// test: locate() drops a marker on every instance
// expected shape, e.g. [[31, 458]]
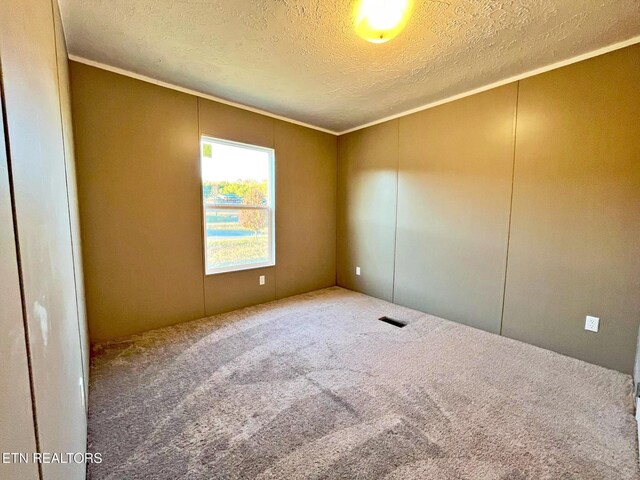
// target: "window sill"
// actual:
[[240, 268]]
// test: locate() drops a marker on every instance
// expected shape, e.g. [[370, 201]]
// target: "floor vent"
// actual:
[[393, 321]]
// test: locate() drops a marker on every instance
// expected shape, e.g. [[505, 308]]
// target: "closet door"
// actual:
[[16, 417], [39, 179]]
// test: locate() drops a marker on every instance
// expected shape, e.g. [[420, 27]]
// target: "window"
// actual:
[[238, 205]]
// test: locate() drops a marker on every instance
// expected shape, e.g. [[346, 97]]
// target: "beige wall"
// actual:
[[138, 153], [138, 187], [575, 232], [306, 216], [43, 212], [454, 193], [367, 181], [573, 246]]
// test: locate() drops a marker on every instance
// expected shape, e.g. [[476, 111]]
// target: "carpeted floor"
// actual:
[[315, 386]]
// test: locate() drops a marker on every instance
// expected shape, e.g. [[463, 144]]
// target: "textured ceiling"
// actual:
[[302, 59]]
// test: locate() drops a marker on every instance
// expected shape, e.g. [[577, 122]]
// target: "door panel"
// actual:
[[38, 170], [16, 417]]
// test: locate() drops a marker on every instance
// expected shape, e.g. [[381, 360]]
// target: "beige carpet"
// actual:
[[316, 387]]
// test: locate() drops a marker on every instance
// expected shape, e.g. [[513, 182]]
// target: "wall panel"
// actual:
[[367, 180], [575, 248], [454, 193], [305, 209], [139, 188], [231, 123], [232, 290]]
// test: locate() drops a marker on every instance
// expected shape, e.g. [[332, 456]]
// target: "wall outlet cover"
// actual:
[[357, 270], [592, 324], [262, 280]]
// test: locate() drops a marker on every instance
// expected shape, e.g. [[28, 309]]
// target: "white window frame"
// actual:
[[270, 208]]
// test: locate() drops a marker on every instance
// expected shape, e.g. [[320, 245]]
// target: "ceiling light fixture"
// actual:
[[379, 21]]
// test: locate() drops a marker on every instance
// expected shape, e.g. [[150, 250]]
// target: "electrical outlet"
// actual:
[[357, 270], [592, 323], [262, 280]]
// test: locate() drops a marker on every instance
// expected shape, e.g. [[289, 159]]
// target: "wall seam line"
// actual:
[[513, 174], [395, 232], [337, 191], [25, 323], [203, 220], [275, 211]]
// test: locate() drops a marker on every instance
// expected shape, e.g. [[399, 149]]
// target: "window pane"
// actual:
[[235, 175], [236, 237], [238, 193]]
